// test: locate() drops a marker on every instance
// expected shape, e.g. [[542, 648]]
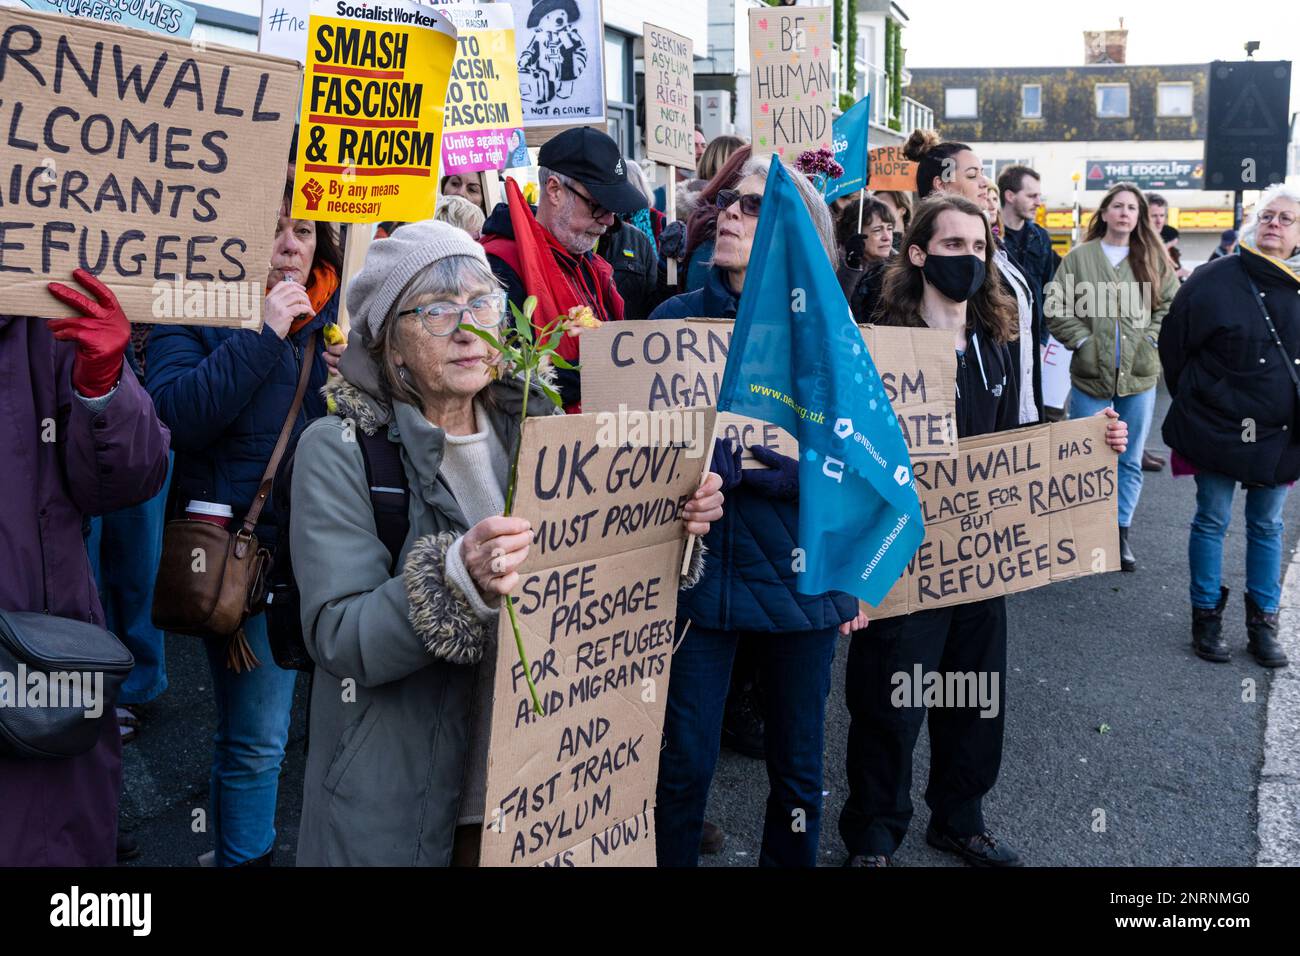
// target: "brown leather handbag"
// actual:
[[210, 580]]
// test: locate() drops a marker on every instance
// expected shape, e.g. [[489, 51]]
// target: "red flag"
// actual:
[[537, 268]]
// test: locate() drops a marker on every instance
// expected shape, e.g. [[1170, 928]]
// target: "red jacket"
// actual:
[[591, 281]]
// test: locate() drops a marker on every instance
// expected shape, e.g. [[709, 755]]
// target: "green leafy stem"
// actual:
[[523, 354]]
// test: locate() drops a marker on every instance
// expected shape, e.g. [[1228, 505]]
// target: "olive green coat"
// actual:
[[1090, 304]]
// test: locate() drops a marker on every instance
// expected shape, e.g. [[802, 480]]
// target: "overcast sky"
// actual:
[[954, 33]]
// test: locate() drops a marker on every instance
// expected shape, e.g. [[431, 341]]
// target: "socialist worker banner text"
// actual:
[[372, 111]]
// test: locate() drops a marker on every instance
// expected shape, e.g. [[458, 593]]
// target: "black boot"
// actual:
[[1261, 630], [1207, 631], [1127, 562]]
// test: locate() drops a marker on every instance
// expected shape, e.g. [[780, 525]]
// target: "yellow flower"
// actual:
[[578, 318], [333, 334]]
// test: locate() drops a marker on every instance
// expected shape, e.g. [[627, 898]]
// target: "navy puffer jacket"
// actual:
[[224, 393], [749, 578]]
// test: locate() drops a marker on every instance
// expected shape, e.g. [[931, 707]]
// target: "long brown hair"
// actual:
[[1146, 253], [716, 154], [991, 308]]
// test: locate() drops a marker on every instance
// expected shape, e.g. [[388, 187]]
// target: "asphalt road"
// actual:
[[1175, 772]]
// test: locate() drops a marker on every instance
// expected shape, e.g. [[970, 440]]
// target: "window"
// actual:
[[1173, 99], [959, 103], [1031, 101], [866, 51], [620, 100], [1112, 99], [992, 168]]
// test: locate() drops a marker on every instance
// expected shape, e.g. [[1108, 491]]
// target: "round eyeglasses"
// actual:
[[1284, 219], [443, 318]]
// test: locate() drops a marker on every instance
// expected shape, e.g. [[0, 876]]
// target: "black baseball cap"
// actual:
[[590, 157]]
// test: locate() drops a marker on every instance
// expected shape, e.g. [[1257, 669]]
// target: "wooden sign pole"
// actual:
[[360, 235], [670, 204], [493, 191]]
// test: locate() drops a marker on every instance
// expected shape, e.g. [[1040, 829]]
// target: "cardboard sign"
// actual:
[[679, 363], [597, 606], [670, 97], [560, 54], [483, 125], [1014, 510], [790, 85], [283, 28], [372, 111], [153, 164], [1056, 373], [889, 169], [168, 17]]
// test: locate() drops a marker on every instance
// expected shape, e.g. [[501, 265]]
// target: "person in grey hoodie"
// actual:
[[401, 703]]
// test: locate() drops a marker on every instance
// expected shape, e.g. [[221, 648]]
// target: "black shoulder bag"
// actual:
[[76, 668], [1287, 360]]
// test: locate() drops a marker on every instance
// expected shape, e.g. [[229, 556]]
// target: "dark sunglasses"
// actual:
[[596, 209], [750, 203]]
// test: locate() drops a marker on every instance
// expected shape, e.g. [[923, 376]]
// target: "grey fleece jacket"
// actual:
[[396, 653]]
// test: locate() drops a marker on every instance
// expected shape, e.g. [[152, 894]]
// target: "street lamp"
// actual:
[[1076, 177]]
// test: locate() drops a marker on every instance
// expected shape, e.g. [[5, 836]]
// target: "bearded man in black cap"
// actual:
[[582, 188]]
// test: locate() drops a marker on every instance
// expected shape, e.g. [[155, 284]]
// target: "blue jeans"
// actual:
[[125, 547], [1263, 541], [1135, 411], [252, 730], [794, 670]]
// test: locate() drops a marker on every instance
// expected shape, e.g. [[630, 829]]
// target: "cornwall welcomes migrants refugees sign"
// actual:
[[372, 111], [139, 158]]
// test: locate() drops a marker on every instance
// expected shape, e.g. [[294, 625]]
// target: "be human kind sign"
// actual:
[[790, 84]]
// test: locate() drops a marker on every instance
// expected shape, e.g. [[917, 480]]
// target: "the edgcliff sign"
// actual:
[[1146, 173]]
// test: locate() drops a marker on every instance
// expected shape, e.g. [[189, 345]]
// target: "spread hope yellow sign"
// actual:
[[372, 111]]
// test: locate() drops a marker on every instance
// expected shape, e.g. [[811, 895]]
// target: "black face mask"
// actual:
[[957, 277]]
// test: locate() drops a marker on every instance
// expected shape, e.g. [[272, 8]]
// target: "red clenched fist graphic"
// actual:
[[313, 192]]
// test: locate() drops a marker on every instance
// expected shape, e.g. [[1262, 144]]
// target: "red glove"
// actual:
[[101, 333]]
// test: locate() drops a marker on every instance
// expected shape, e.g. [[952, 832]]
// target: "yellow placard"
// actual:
[[372, 111], [484, 119]]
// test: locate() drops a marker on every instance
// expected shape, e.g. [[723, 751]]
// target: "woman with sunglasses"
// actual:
[[747, 595], [405, 650]]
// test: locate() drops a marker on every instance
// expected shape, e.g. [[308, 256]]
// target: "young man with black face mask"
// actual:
[[944, 279]]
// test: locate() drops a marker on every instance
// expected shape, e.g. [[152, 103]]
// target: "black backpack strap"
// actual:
[[1288, 362], [389, 495]]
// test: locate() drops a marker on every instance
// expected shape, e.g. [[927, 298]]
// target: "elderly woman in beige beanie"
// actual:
[[405, 643]]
